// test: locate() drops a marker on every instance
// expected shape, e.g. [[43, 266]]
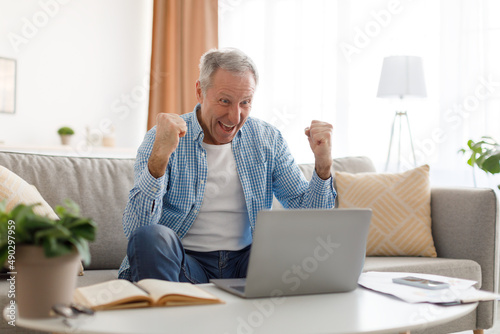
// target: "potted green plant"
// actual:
[[65, 133], [45, 254], [485, 154]]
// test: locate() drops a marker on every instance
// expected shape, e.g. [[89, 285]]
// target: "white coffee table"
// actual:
[[359, 311]]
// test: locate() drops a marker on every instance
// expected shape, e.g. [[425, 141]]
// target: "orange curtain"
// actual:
[[182, 31]]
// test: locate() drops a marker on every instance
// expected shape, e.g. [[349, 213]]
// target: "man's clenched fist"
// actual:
[[169, 128], [320, 140]]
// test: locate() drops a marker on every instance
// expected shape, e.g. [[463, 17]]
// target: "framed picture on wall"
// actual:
[[7, 85]]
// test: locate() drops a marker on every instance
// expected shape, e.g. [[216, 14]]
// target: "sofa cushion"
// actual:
[[345, 164], [401, 205], [466, 269], [100, 186], [353, 165]]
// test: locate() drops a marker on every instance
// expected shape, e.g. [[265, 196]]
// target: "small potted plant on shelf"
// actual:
[[45, 254], [485, 154], [65, 133]]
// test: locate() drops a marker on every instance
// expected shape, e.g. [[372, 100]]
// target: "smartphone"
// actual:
[[421, 283]]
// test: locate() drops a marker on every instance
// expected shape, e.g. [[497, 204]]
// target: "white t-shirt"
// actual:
[[222, 223]]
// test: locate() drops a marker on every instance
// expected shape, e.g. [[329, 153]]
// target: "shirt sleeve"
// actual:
[[324, 191], [145, 199]]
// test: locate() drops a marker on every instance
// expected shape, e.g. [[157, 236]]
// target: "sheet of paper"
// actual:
[[460, 290]]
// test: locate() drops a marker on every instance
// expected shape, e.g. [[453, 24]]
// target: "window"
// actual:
[[321, 59]]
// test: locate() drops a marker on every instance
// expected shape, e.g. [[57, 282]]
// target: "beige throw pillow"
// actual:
[[401, 206], [16, 190]]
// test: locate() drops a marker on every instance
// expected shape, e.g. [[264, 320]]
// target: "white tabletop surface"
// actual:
[[359, 311]]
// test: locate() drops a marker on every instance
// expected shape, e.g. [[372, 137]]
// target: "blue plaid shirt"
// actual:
[[264, 164]]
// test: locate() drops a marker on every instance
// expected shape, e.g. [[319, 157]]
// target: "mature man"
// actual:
[[201, 178]]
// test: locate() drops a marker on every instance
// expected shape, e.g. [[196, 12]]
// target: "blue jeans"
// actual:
[[155, 251]]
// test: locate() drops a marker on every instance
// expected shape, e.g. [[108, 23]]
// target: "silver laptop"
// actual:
[[298, 252]]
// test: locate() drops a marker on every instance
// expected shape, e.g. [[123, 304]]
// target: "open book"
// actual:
[[120, 293]]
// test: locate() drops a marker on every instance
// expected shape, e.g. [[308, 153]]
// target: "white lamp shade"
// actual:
[[402, 76]]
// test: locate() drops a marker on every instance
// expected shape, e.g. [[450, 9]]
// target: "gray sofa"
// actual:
[[464, 223]]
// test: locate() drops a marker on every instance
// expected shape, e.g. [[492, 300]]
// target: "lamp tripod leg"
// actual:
[[390, 141], [411, 141], [399, 140]]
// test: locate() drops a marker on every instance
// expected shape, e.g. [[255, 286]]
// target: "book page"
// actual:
[[159, 288], [113, 292]]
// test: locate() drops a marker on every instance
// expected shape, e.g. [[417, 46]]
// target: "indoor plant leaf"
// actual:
[[57, 237], [56, 232], [72, 207], [83, 249], [485, 154], [53, 248], [85, 231], [492, 164]]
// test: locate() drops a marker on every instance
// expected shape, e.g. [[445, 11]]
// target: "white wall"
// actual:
[[81, 63]]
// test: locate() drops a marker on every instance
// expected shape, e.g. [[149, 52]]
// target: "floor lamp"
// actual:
[[402, 76]]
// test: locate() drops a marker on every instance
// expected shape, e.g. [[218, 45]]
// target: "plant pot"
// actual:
[[42, 282], [65, 139]]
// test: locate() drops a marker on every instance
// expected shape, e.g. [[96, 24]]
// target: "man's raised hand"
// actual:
[[169, 128], [319, 135]]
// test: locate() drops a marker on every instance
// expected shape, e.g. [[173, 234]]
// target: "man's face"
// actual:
[[225, 106]]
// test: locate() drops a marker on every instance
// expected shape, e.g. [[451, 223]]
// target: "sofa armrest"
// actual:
[[465, 226]]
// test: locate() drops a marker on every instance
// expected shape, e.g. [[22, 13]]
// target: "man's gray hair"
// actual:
[[229, 59]]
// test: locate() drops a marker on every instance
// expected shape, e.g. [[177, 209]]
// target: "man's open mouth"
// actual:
[[225, 127]]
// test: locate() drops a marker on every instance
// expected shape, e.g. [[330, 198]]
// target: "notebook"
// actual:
[[297, 252]]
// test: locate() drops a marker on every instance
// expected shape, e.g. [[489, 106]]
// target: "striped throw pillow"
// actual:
[[401, 210]]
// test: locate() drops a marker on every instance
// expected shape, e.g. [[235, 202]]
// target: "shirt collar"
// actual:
[[198, 134]]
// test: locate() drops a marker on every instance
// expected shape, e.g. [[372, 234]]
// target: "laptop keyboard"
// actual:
[[240, 288]]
